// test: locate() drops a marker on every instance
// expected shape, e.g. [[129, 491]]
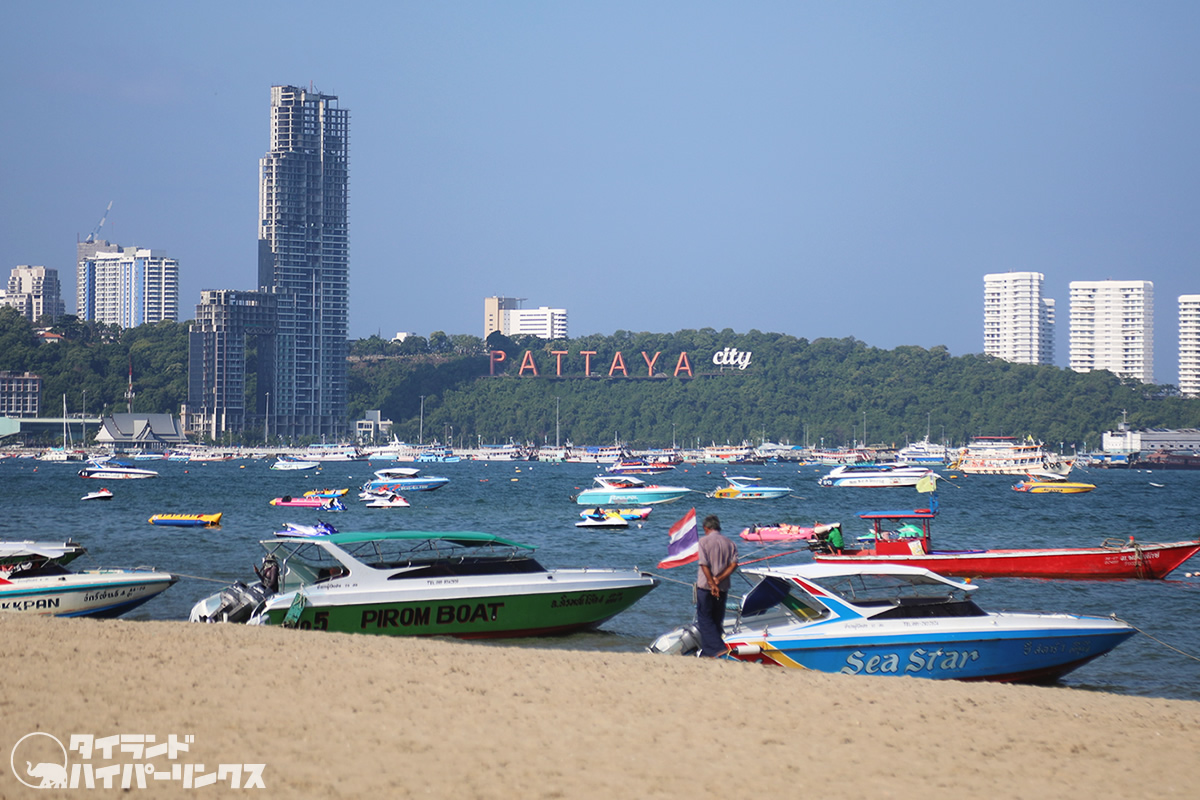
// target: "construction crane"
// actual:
[[92, 236]]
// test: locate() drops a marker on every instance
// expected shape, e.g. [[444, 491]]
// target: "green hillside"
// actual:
[[791, 390]]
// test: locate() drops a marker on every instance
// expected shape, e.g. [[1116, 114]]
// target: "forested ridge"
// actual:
[[793, 390]]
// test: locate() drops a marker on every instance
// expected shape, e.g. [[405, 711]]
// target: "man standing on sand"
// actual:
[[718, 560]]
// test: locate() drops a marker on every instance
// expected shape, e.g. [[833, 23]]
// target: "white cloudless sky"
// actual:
[[817, 169]]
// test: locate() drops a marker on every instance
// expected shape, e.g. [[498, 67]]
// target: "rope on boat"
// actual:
[[1160, 641], [199, 578]]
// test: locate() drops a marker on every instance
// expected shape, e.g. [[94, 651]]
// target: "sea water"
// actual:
[[531, 503]]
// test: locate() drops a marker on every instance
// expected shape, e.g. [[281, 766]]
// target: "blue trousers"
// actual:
[[710, 621]]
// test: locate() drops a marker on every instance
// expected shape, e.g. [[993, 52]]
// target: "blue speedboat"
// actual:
[[883, 619], [398, 480]]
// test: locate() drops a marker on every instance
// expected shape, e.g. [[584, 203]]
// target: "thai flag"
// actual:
[[684, 545]]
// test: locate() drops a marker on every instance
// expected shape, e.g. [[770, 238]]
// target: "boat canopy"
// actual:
[[464, 538], [918, 513]]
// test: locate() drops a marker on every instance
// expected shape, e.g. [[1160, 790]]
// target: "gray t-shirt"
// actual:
[[717, 552]]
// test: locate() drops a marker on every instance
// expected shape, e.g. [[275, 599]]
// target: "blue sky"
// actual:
[[816, 169]]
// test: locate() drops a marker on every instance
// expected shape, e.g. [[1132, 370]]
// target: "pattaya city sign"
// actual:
[[729, 357]]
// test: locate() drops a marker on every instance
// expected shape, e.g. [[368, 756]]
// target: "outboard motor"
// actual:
[[683, 641]]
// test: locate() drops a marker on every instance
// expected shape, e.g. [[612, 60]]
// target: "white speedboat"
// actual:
[[387, 501], [293, 464], [322, 528], [113, 470], [875, 475], [52, 590], [626, 490], [742, 487], [411, 583], [99, 494], [882, 619]]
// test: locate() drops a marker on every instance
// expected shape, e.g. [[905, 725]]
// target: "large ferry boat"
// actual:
[[1006, 455]]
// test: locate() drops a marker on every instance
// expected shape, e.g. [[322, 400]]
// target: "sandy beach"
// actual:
[[331, 715]]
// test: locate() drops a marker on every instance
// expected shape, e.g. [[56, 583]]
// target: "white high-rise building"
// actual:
[[1018, 323], [1189, 345], [505, 314], [35, 292], [126, 286], [1112, 328]]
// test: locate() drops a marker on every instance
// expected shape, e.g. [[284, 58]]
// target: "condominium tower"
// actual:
[[1189, 345], [35, 292], [1018, 323], [1112, 328], [126, 286], [303, 258]]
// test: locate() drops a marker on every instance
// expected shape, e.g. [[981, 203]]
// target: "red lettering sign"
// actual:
[[497, 357], [527, 363], [683, 365]]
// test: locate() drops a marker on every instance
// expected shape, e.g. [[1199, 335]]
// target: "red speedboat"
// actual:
[[902, 537]]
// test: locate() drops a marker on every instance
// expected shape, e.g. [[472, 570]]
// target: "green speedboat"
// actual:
[[411, 583]]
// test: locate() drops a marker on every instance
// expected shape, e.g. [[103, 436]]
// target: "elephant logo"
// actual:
[[54, 776], [50, 773]]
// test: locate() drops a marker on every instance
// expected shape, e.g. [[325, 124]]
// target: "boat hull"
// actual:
[[402, 485], [116, 474], [751, 493], [96, 593], [471, 612], [631, 497], [1053, 487], [1035, 653], [1149, 561]]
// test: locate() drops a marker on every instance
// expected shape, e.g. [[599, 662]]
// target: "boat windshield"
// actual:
[[308, 562], [879, 588]]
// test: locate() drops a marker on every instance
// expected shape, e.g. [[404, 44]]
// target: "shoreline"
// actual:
[[349, 715]]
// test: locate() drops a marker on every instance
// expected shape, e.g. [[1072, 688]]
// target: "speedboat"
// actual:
[[876, 619], [397, 480], [115, 471], [786, 533], [1049, 483], [620, 490], [283, 463], [387, 501], [409, 583], [187, 520], [52, 590], [903, 537], [627, 514], [296, 529], [875, 475], [99, 494], [639, 468], [19, 556], [741, 487]]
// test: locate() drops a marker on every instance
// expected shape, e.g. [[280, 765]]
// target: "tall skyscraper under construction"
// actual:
[[297, 321], [303, 258]]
